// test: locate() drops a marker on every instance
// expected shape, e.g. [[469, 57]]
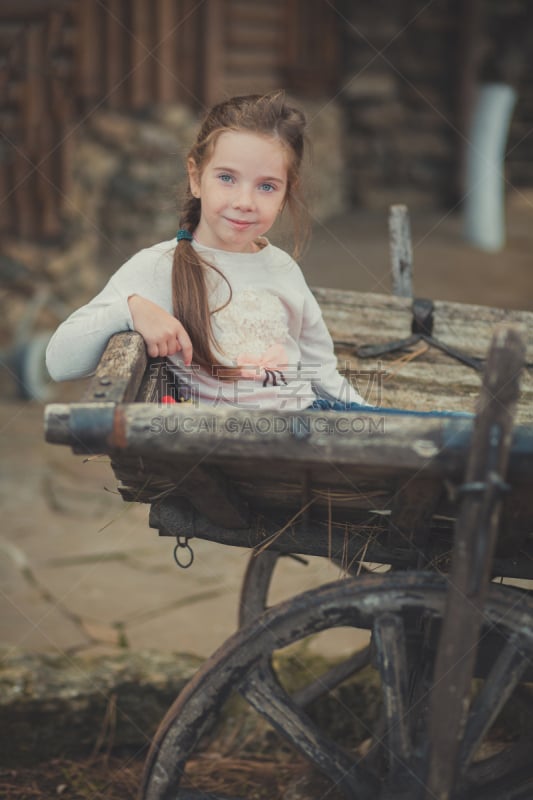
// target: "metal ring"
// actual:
[[183, 544]]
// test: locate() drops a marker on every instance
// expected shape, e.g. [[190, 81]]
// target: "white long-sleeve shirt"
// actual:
[[272, 329]]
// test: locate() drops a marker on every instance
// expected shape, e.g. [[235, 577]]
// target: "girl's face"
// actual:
[[242, 188]]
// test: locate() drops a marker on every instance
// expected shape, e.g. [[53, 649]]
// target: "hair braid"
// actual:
[[267, 115]]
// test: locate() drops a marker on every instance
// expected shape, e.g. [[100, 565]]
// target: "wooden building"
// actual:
[[404, 73]]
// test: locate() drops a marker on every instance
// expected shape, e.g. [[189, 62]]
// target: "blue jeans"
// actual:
[[323, 404]]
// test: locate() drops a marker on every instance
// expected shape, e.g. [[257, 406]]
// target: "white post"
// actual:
[[401, 251], [484, 206]]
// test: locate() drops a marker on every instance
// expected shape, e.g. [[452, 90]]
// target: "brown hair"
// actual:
[[263, 114]]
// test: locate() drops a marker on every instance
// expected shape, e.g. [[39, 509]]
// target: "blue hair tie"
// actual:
[[183, 234]]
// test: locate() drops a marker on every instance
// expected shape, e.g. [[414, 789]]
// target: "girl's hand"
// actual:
[[163, 334]]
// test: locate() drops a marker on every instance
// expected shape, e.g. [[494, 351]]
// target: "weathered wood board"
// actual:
[[432, 380]]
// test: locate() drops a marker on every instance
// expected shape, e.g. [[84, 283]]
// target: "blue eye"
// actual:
[[267, 187], [225, 178]]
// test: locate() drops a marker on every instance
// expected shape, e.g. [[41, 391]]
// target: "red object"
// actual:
[[167, 398]]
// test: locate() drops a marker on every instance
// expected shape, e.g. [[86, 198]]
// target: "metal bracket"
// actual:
[[421, 330]]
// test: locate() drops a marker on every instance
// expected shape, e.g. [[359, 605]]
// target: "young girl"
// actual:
[[231, 312]]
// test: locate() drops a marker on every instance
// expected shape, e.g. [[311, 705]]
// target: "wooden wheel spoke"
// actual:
[[389, 641], [332, 678], [517, 785], [268, 697], [497, 689], [508, 762]]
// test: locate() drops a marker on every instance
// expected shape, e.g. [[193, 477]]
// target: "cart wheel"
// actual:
[[34, 382], [254, 600], [386, 605]]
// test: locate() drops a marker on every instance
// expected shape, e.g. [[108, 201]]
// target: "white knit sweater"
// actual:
[[272, 329]]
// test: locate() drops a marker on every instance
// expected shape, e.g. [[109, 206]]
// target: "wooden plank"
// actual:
[[24, 194], [48, 186], [251, 60], [260, 13], [172, 516], [250, 84], [353, 316], [209, 492], [120, 370], [117, 65], [213, 57], [34, 87], [189, 46], [48, 174], [63, 105], [29, 9], [245, 36], [89, 55], [7, 218], [141, 44], [165, 52]]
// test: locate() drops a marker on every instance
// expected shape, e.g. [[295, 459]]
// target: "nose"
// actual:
[[243, 198]]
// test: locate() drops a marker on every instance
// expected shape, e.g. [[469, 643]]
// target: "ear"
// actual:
[[194, 177]]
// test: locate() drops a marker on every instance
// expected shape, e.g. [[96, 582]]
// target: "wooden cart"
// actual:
[[447, 502]]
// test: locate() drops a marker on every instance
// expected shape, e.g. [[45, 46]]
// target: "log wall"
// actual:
[[61, 60]]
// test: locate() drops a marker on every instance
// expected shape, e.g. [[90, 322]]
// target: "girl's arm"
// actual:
[[319, 362], [75, 348], [77, 345], [137, 297]]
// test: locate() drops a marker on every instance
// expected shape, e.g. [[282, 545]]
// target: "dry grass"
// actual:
[[97, 778], [113, 778]]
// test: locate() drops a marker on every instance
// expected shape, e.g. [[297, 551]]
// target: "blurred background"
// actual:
[[99, 103]]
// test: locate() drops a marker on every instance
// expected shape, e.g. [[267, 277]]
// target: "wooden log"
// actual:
[[304, 438], [401, 252]]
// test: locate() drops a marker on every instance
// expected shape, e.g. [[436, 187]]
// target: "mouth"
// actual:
[[239, 224]]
